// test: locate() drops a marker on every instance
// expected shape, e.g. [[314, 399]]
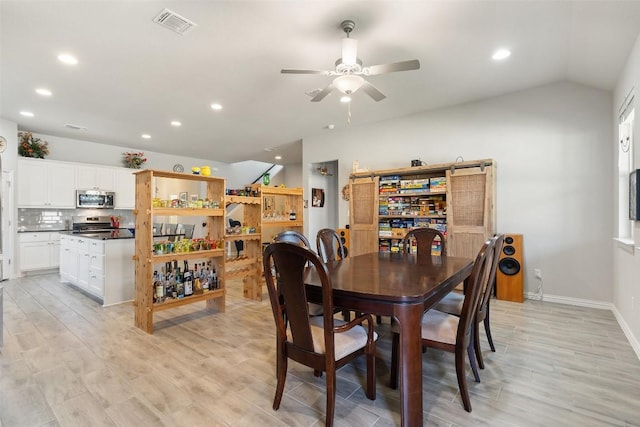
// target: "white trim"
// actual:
[[579, 302], [635, 344]]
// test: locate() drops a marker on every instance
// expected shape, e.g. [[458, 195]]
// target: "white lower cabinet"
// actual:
[[103, 268], [38, 250]]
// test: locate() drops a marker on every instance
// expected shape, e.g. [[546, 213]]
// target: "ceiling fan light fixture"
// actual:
[[348, 83], [349, 51], [344, 99]]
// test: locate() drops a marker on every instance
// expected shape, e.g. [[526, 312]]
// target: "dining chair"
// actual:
[[329, 244], [299, 239], [323, 343], [452, 303], [187, 230], [424, 238], [330, 248], [452, 333], [170, 231], [292, 236]]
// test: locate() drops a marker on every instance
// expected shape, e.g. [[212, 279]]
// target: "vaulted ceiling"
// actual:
[[134, 76]]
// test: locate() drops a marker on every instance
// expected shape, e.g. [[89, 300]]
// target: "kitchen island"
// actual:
[[99, 263]]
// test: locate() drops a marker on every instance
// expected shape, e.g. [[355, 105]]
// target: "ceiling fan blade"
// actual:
[[289, 71], [324, 92], [371, 90], [390, 68]]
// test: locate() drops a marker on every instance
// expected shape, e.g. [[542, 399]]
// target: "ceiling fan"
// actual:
[[349, 70]]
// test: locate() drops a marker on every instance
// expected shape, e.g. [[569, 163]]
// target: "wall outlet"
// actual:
[[538, 273]]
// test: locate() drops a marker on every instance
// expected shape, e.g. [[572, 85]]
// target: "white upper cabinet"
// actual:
[[46, 184], [95, 177], [125, 189]]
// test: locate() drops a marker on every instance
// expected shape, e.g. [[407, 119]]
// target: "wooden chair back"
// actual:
[[288, 296], [487, 291], [292, 236], [329, 245], [424, 240], [473, 292]]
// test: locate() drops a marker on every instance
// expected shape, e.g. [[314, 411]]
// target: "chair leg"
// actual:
[[379, 320], [331, 397], [281, 374], [371, 375], [462, 381], [476, 345], [487, 329], [472, 362], [393, 374], [346, 315]]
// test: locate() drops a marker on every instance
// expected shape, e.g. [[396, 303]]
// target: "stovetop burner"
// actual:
[[82, 224]]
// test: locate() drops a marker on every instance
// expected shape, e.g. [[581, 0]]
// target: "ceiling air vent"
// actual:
[[174, 22]]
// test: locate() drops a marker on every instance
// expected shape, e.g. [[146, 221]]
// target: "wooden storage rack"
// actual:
[[145, 258], [267, 220]]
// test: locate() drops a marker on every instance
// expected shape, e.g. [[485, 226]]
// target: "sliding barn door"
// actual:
[[470, 210], [363, 215]]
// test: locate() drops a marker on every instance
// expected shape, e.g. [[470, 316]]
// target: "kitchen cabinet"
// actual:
[[103, 268], [146, 262], [38, 250], [68, 258], [125, 189], [95, 177], [45, 184]]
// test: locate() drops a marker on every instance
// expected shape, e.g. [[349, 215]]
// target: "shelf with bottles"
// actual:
[[173, 286], [148, 257]]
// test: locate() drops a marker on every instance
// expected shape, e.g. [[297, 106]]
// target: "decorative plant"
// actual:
[[30, 146], [134, 160]]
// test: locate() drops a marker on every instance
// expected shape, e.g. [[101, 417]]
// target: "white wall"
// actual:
[[626, 279], [552, 148]]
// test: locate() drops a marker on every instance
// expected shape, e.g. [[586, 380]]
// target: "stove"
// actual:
[[99, 227], [89, 224]]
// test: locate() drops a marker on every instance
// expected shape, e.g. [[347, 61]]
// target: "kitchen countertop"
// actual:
[[42, 230], [120, 233]]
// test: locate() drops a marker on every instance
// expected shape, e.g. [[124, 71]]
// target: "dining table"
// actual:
[[402, 286]]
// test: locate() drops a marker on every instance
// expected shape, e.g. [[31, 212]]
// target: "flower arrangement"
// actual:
[[30, 146], [134, 160]]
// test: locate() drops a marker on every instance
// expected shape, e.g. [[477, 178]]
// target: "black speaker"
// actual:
[[510, 274], [344, 238]]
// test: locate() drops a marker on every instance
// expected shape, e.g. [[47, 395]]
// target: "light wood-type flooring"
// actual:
[[67, 361]]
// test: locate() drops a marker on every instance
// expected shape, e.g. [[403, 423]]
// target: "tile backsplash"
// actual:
[[61, 219]]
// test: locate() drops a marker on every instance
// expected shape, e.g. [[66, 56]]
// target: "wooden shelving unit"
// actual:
[[268, 213], [466, 213], [145, 259]]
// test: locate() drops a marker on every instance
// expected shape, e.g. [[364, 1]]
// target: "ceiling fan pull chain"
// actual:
[[349, 112]]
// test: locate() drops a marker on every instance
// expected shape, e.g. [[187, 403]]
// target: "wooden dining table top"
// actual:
[[394, 277]]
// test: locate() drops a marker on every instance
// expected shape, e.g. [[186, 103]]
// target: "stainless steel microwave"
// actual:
[[95, 199]]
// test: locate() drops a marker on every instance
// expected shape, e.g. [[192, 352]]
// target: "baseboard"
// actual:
[[635, 344], [578, 301]]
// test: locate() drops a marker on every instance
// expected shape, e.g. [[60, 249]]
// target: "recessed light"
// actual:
[[146, 136], [176, 123], [216, 107], [67, 59], [501, 54], [345, 99], [44, 92], [278, 157], [331, 126], [26, 113]]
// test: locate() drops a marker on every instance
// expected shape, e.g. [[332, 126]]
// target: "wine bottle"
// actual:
[[188, 284]]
